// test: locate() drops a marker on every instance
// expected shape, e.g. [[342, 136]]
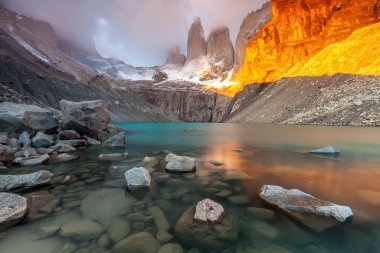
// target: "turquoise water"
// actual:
[[271, 155]]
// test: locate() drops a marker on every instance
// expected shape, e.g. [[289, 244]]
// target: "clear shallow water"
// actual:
[[273, 155]]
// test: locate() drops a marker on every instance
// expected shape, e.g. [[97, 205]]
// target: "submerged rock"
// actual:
[[171, 248], [87, 118], [159, 218], [66, 157], [118, 230], [326, 150], [113, 157], [117, 140], [82, 230], [138, 243], [19, 117], [315, 213], [32, 160], [180, 163], [138, 179], [42, 140], [9, 182], [13, 209], [218, 234], [151, 161]]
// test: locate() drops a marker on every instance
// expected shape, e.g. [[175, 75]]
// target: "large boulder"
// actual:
[[180, 164], [19, 117], [87, 118], [13, 209], [220, 49], [42, 140], [196, 44], [117, 140], [206, 227], [9, 182], [315, 213], [138, 179], [138, 243]]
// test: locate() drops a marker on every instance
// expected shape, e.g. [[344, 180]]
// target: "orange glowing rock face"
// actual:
[[302, 29]]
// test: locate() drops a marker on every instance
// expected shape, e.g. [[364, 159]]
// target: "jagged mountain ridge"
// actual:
[[299, 30]]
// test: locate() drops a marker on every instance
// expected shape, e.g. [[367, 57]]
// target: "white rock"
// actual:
[[180, 163], [13, 209], [326, 150], [305, 207], [9, 182], [138, 178], [208, 211]]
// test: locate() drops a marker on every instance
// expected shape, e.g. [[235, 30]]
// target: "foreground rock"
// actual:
[[42, 140], [19, 117], [13, 209], [138, 179], [180, 164], [31, 160], [9, 182], [113, 157], [315, 213], [326, 150], [209, 229], [87, 118], [117, 140], [138, 243]]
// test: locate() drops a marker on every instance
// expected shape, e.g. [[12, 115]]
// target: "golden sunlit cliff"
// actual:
[[312, 37]]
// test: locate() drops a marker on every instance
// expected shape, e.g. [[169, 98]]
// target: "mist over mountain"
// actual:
[[139, 32]]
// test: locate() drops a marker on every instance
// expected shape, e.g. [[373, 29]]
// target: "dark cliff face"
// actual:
[[196, 44], [188, 103], [251, 25], [220, 48]]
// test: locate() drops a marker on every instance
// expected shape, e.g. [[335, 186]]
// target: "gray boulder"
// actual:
[[326, 150], [66, 157], [315, 213], [63, 148], [138, 243], [117, 140], [9, 182], [138, 179], [26, 152], [113, 157], [19, 117], [42, 140], [181, 164], [91, 141], [32, 160], [68, 135], [24, 139], [87, 118], [73, 143], [13, 209], [210, 231]]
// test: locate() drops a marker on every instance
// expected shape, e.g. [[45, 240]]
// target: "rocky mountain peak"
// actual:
[[250, 27], [220, 48], [196, 45]]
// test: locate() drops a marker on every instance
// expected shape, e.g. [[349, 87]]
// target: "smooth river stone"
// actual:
[[208, 211], [159, 218], [118, 230], [82, 230], [138, 243], [171, 248], [106, 204]]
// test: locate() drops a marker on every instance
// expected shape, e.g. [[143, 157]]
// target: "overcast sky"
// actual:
[[140, 32]]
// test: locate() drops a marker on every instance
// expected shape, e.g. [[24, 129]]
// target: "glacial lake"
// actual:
[[252, 156]]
